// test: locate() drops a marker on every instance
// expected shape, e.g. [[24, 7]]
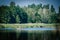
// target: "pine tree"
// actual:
[[52, 8]]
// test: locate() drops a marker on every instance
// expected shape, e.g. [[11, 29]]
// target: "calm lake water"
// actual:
[[26, 34], [27, 29]]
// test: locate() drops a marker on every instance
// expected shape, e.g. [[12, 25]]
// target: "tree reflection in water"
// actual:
[[29, 35]]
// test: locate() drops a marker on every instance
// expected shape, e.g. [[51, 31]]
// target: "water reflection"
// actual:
[[29, 34], [36, 29]]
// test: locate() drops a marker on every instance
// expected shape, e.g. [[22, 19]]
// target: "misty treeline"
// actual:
[[30, 14]]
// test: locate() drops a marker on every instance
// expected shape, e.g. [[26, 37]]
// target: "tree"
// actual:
[[52, 8], [46, 6], [18, 10], [23, 17], [18, 15], [58, 16], [59, 9], [32, 5], [12, 12], [12, 18], [12, 4], [4, 14], [39, 6], [37, 18]]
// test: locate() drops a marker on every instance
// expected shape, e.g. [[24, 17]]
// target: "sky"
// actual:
[[55, 3]]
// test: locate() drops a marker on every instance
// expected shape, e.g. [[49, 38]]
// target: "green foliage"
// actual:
[[37, 18], [52, 8], [4, 14], [12, 14], [53, 18], [59, 9], [12, 4], [32, 6], [39, 6], [46, 6], [31, 14]]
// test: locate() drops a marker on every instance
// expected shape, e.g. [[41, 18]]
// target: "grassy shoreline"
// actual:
[[30, 25]]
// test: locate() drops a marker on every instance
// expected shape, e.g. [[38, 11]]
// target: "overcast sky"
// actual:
[[55, 3]]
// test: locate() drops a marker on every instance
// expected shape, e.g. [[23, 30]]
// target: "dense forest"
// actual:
[[30, 14]]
